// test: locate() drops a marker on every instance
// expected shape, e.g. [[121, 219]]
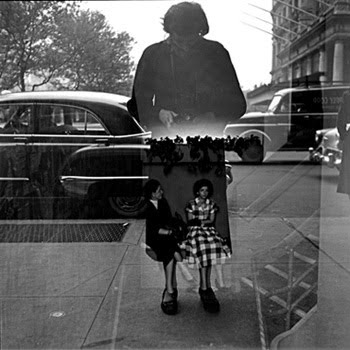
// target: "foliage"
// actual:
[[99, 59], [56, 42], [169, 151]]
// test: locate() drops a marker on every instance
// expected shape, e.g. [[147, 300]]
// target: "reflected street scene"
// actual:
[[61, 151], [175, 174]]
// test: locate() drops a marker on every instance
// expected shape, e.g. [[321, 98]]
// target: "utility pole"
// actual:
[[275, 25], [278, 15], [265, 31]]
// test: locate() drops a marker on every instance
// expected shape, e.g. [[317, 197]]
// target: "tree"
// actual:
[[98, 58], [57, 43], [25, 28]]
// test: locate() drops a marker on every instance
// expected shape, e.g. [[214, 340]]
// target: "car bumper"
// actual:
[[328, 156]]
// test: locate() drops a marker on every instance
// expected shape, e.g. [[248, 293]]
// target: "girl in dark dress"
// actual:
[[160, 238]]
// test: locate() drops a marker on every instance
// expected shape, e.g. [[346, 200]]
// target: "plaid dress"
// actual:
[[203, 245]]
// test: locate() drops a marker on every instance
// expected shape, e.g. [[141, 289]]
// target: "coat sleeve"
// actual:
[[230, 100], [144, 89], [343, 115]]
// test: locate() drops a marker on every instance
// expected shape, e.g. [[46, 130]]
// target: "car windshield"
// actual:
[[274, 103]]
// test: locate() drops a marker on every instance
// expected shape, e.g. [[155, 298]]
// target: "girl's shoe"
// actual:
[[176, 293], [210, 303], [169, 307]]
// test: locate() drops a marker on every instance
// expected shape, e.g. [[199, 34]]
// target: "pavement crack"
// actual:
[[86, 280], [317, 246], [122, 267]]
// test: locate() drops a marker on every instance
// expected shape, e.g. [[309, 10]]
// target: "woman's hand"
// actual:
[[167, 117], [165, 231]]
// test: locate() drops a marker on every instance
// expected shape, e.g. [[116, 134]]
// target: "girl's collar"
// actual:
[[197, 200], [154, 202]]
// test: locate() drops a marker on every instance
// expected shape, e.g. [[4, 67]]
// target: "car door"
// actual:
[[16, 188], [277, 122], [306, 117], [69, 156]]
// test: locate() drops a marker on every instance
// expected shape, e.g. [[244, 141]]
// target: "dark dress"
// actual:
[[163, 245], [343, 119], [204, 81]]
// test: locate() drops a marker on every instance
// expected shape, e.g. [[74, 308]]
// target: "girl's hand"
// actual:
[[167, 117]]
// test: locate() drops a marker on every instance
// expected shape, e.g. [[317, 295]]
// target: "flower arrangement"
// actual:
[[169, 152]]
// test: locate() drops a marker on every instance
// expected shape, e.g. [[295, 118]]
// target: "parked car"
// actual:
[[290, 122], [329, 148], [60, 149]]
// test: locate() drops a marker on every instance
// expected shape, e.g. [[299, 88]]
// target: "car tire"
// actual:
[[253, 154], [131, 207]]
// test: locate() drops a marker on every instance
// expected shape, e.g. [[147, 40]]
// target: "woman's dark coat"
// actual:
[[205, 81]]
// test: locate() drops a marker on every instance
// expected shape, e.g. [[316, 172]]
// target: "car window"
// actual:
[[274, 103], [61, 119], [16, 119], [285, 105], [87, 123]]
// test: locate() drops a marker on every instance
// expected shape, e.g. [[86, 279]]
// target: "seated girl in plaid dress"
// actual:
[[204, 246]]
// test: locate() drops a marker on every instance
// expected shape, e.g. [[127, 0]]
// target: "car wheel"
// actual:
[[128, 206], [254, 153]]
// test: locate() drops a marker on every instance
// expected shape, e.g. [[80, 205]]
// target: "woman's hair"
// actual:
[[150, 187], [186, 18], [201, 183]]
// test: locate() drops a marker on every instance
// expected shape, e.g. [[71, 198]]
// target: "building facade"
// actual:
[[310, 42], [310, 46]]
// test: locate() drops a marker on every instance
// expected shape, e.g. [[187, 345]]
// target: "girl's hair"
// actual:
[[201, 183], [186, 18], [150, 187]]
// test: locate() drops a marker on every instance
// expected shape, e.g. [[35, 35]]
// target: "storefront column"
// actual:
[[322, 66], [308, 66], [338, 62]]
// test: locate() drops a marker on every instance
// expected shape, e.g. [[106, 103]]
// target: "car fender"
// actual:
[[255, 131]]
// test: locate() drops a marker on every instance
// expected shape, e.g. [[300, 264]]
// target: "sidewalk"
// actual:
[[107, 296]]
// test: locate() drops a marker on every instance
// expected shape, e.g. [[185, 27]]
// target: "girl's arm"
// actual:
[[190, 216], [192, 220], [165, 231], [166, 214], [210, 220], [153, 226]]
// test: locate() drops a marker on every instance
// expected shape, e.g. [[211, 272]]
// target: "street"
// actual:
[[106, 294], [285, 185], [277, 206]]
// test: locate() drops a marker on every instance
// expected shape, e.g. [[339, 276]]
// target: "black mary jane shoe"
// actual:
[[175, 293], [210, 303], [169, 307]]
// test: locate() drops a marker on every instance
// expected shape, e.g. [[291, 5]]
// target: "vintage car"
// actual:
[[290, 122], [63, 151], [329, 148]]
